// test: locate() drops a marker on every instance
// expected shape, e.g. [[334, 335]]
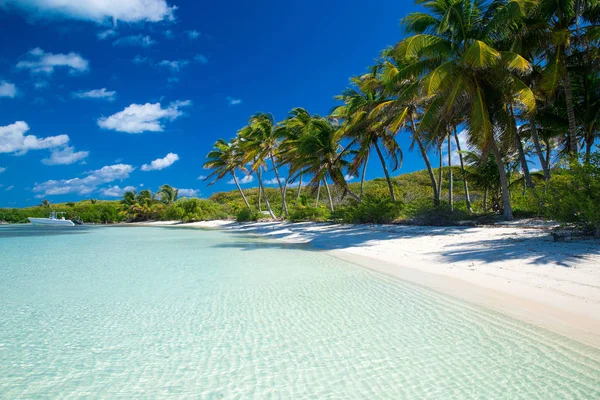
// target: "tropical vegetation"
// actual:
[[518, 79]]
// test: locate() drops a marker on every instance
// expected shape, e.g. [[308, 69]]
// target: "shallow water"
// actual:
[[133, 312]]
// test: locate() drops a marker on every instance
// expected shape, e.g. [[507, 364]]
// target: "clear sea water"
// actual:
[[133, 312]]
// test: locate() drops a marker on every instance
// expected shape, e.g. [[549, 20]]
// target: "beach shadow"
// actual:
[[531, 250]]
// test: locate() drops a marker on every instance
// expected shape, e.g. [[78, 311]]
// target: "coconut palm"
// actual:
[[167, 194], [318, 154], [567, 24], [366, 127], [453, 49], [289, 131], [225, 159], [260, 144]]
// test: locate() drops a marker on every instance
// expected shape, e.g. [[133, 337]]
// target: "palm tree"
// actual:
[[260, 143], [453, 49], [318, 154], [567, 24], [225, 159], [290, 130], [366, 126], [168, 195]]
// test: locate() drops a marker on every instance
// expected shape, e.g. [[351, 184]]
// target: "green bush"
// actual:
[[375, 209], [307, 213], [245, 215], [573, 196], [426, 212]]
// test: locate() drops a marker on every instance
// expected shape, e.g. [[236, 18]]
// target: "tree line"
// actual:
[[520, 78]]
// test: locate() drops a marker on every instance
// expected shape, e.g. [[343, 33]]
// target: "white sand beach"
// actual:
[[517, 271]]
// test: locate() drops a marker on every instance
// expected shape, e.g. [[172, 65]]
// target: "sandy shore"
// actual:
[[520, 272]]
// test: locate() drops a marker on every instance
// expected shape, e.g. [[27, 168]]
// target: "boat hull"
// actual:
[[51, 222]]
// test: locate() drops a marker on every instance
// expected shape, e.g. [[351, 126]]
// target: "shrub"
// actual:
[[426, 212], [245, 215], [376, 209], [308, 213], [573, 196]]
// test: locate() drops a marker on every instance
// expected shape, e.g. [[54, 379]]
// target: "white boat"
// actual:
[[56, 219]]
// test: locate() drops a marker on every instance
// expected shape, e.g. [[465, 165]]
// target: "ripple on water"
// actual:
[[146, 312]]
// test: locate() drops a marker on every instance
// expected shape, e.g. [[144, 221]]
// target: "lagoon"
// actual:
[[136, 312]]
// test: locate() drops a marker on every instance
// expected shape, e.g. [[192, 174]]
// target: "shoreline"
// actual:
[[518, 272]]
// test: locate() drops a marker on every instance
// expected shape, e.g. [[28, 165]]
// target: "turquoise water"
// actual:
[[123, 312]]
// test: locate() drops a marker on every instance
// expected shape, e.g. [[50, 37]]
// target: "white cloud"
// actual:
[[200, 58], [11, 187], [139, 59], [174, 66], [135, 40], [348, 177], [96, 10], [108, 95], [188, 192], [84, 185], [13, 139], [7, 89], [245, 179], [116, 191], [138, 118], [106, 34], [2, 169], [271, 181], [463, 140], [169, 34], [201, 177], [233, 101], [65, 156], [38, 61], [193, 34], [40, 85], [161, 163]]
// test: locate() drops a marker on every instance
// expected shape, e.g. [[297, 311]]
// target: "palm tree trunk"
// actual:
[[440, 173], [385, 171], [485, 196], [524, 166], [362, 178], [262, 189], [570, 113], [299, 189], [284, 210], [589, 142], [328, 195], [259, 200], [507, 213], [464, 172], [240, 189], [450, 178], [318, 194], [436, 195], [538, 149]]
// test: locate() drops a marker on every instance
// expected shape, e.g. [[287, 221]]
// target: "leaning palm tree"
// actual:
[[289, 131], [260, 144], [318, 154], [366, 127], [167, 194], [452, 47], [225, 159], [565, 24]]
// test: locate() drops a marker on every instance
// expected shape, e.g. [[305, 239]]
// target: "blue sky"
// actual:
[[103, 95]]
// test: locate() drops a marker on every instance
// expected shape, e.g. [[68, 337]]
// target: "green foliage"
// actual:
[[245, 215], [374, 209], [303, 212], [425, 212], [189, 210], [573, 196]]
